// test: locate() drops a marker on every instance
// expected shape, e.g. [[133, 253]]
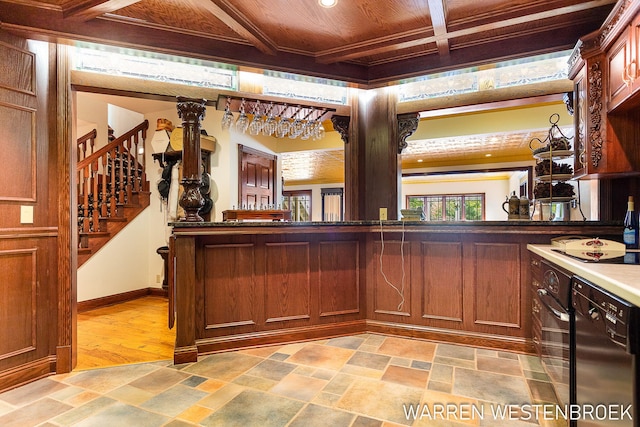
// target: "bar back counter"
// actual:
[[238, 285]]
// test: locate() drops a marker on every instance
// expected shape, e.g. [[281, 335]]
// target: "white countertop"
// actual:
[[620, 279]]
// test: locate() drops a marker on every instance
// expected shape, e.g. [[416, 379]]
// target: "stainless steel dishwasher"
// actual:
[[606, 365]]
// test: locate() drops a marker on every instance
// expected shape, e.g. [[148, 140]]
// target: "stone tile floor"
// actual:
[[357, 381]]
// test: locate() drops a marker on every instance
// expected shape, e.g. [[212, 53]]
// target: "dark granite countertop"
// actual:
[[539, 227]]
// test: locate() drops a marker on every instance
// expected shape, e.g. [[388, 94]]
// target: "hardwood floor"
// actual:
[[130, 332]]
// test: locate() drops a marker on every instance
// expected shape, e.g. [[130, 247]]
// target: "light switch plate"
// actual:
[[26, 214], [383, 214]]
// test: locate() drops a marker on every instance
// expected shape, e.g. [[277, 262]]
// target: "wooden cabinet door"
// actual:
[[620, 71]]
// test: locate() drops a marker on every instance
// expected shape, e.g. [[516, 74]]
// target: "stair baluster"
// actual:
[[88, 138], [109, 180]]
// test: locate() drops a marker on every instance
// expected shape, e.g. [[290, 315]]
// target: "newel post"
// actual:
[[191, 111]]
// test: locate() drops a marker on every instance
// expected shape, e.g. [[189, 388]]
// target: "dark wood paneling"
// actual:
[[339, 277], [229, 277], [29, 306], [287, 289], [441, 281], [497, 284]]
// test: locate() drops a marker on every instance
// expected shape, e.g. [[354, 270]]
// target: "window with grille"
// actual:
[[299, 203], [449, 207]]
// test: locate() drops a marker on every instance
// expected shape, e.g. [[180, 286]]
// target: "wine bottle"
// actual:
[[630, 234]]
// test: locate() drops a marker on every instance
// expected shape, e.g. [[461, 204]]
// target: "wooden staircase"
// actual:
[[112, 187]]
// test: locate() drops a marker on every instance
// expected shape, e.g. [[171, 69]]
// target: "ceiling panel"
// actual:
[[365, 42]]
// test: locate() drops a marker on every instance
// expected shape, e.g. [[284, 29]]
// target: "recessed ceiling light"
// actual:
[[420, 160], [327, 3], [488, 155]]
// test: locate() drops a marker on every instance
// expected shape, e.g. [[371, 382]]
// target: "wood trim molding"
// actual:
[[27, 373], [500, 342], [289, 335], [67, 217]]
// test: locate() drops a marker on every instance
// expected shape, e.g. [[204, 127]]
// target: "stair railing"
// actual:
[[110, 176], [86, 141]]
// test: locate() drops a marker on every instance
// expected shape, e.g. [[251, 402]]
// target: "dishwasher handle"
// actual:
[[542, 293]]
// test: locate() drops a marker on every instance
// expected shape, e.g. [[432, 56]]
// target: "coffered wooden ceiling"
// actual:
[[367, 42]]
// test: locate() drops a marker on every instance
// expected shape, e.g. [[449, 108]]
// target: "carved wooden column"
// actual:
[[191, 111]]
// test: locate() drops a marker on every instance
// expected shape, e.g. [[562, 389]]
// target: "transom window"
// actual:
[[449, 207]]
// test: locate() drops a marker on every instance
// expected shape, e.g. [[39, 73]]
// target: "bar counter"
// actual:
[[246, 284]]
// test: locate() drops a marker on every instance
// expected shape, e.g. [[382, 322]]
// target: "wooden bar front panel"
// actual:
[[496, 284], [256, 286], [441, 282], [339, 278], [229, 277], [391, 274], [287, 282]]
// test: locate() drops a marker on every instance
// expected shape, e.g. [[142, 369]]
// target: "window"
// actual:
[[299, 202], [449, 207], [332, 204]]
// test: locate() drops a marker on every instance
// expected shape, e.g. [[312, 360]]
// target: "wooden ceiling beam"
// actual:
[[234, 19], [439, 23], [374, 47], [85, 10]]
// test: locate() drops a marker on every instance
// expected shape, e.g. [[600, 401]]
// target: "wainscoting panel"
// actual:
[[288, 282], [497, 284], [392, 292], [441, 281], [229, 276], [339, 277], [18, 301]]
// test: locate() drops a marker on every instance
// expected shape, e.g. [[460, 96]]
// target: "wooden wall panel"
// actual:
[[18, 301], [497, 284], [339, 276], [229, 277], [391, 278], [17, 69], [19, 163], [288, 281], [441, 281], [31, 288]]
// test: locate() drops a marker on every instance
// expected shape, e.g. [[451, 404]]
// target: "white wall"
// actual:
[[120, 266]]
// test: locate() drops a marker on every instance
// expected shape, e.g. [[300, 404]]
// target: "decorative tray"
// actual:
[[555, 199], [555, 154], [555, 177]]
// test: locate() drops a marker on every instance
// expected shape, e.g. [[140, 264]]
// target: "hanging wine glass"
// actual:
[[227, 117], [243, 120], [284, 125], [318, 131], [256, 123], [269, 126], [296, 127]]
